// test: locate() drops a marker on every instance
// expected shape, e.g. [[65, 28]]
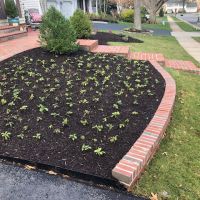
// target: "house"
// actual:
[[177, 5], [66, 7]]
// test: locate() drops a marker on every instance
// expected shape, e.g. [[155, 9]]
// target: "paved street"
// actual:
[[120, 27], [190, 17]]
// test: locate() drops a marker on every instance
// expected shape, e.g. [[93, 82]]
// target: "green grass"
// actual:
[[166, 45], [176, 166], [196, 38], [159, 25], [184, 26]]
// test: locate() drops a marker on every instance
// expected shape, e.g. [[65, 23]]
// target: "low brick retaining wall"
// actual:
[[131, 166]]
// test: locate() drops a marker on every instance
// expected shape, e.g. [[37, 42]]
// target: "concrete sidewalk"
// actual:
[[185, 39]]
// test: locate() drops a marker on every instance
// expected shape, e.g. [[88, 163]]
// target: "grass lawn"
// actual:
[[159, 24], [175, 168], [166, 45], [186, 27], [196, 38]]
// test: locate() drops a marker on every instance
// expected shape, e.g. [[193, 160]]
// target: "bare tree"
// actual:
[[137, 15], [153, 7]]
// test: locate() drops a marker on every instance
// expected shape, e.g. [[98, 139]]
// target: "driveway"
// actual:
[[17, 183], [190, 17]]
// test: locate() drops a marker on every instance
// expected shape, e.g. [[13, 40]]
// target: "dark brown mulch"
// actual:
[[104, 38], [82, 86]]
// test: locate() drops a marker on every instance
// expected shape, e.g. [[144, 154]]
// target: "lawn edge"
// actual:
[[131, 166]]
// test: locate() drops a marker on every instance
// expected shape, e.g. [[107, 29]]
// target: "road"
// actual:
[[190, 17]]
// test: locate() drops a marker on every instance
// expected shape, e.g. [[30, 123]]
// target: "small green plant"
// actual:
[[81, 23], [84, 122], [56, 33], [115, 114], [65, 122], [42, 108], [21, 136], [99, 128], [113, 139], [6, 135], [86, 147], [3, 101], [73, 136], [37, 136], [99, 151]]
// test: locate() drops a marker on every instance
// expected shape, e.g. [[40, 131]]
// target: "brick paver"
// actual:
[[147, 56], [119, 50], [182, 65]]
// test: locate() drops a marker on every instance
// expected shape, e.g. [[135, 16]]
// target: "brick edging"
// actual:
[[131, 166]]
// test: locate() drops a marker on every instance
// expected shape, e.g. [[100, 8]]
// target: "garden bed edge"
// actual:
[[131, 166]]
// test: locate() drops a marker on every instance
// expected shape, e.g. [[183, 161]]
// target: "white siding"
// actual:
[[27, 4]]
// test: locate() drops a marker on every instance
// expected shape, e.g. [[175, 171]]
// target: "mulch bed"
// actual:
[[104, 38], [81, 112]]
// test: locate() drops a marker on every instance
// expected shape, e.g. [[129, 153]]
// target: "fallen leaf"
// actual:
[[52, 173], [29, 167], [154, 196]]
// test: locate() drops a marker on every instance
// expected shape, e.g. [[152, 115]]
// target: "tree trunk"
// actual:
[[19, 8], [152, 17], [137, 15], [184, 6]]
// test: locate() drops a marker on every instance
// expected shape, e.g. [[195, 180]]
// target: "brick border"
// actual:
[[131, 166]]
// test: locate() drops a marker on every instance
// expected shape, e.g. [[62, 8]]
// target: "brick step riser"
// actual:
[[9, 30], [12, 37]]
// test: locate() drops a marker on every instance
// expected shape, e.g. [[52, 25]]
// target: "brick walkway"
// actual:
[[182, 65], [12, 47]]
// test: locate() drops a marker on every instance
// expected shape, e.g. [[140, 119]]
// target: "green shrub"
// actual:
[[56, 33], [161, 13], [81, 23], [11, 9], [127, 15]]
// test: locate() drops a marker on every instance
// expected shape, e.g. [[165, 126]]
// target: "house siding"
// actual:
[[28, 4]]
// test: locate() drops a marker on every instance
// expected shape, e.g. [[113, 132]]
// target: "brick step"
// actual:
[[3, 22], [117, 50], [148, 56], [8, 29], [87, 45], [13, 35]]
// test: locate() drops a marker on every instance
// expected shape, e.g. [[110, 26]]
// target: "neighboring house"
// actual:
[[177, 5], [66, 7]]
